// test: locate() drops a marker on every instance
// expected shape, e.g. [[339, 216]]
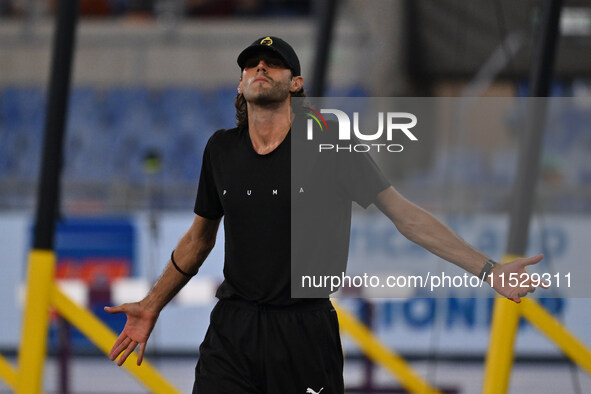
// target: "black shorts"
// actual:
[[251, 348]]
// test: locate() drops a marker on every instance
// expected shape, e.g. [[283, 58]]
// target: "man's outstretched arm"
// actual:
[[189, 255], [421, 227]]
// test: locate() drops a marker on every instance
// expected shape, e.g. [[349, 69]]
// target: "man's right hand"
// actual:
[[137, 330]]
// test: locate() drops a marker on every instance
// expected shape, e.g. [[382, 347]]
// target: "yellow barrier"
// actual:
[[506, 315], [546, 323], [8, 373], [499, 360], [104, 338], [381, 355], [35, 322], [42, 292]]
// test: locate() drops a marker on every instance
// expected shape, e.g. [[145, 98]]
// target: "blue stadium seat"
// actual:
[[222, 114], [22, 105]]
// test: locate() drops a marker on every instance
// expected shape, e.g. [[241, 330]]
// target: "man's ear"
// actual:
[[296, 84]]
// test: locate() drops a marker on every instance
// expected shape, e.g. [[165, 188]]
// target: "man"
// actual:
[[260, 340]]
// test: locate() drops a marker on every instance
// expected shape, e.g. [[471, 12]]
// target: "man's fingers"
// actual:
[[115, 309], [537, 282], [531, 260], [531, 285], [128, 351], [120, 339], [116, 351], [123, 345], [118, 342], [140, 356]]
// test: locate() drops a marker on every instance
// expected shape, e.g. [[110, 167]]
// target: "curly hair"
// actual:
[[242, 112]]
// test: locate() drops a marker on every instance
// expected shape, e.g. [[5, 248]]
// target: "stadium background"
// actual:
[[153, 79]]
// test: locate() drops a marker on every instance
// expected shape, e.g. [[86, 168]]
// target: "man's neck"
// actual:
[[268, 125]]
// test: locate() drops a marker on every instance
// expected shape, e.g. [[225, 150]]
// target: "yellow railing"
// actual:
[[43, 293], [381, 355], [505, 323], [8, 373]]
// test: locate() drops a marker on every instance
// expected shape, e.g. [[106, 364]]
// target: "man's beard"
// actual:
[[277, 94]]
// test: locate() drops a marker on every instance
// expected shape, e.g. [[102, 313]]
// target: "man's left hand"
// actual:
[[512, 281]]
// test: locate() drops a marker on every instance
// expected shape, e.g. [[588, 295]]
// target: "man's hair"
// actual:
[[242, 112]]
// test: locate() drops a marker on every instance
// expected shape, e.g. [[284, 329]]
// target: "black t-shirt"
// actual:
[[254, 193]]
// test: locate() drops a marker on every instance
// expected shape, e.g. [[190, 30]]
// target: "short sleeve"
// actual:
[[361, 177], [207, 202]]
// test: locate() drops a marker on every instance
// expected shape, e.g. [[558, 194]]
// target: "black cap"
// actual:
[[275, 45]]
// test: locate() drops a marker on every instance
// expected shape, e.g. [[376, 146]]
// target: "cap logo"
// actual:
[[266, 41]]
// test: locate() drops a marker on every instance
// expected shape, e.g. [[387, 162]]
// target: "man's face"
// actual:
[[265, 79]]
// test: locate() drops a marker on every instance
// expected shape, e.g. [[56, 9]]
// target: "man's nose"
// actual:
[[262, 65]]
